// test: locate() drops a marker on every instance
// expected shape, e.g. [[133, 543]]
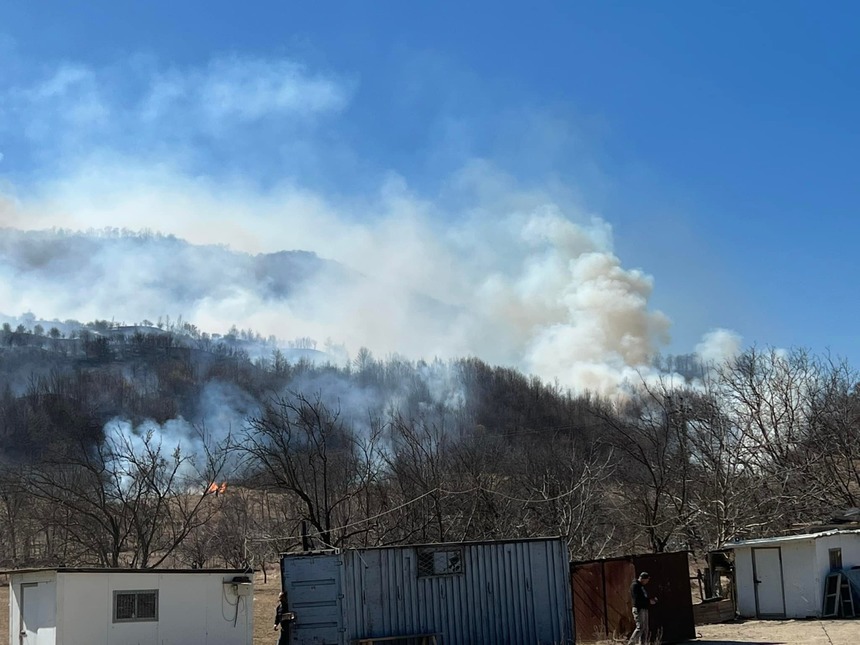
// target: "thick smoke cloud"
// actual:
[[718, 345], [513, 274], [530, 283]]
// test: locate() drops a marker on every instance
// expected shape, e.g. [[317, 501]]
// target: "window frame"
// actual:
[[136, 593], [834, 556], [431, 553]]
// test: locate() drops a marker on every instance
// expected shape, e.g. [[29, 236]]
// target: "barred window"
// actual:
[[439, 562], [135, 606]]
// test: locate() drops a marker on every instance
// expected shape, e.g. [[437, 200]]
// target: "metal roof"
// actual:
[[423, 545], [789, 538], [10, 572]]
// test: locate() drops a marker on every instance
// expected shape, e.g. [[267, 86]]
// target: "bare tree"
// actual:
[[831, 443], [654, 488], [564, 486], [15, 511], [727, 495], [305, 447], [418, 463], [129, 502], [770, 399]]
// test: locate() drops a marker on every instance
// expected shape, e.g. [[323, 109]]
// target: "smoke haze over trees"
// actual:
[[111, 440], [519, 280]]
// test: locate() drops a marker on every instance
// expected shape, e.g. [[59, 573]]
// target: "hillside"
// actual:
[[110, 439]]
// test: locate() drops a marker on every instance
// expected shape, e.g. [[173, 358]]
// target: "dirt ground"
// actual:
[[781, 632], [775, 632], [265, 601], [751, 632]]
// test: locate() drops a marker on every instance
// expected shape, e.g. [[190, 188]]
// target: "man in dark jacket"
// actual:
[[283, 618], [641, 602]]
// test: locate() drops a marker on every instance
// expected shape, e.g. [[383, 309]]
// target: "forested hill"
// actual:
[[58, 387], [384, 451], [88, 275], [163, 264]]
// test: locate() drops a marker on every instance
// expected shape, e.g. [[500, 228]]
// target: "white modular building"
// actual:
[[68, 606], [784, 577]]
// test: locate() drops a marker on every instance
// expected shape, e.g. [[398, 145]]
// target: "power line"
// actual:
[[394, 509]]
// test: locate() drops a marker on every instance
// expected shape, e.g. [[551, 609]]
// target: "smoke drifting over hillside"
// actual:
[[515, 275], [519, 282]]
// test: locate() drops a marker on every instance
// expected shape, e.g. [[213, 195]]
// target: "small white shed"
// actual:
[[783, 577], [130, 607]]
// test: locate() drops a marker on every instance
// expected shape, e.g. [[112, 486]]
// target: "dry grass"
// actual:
[[265, 601]]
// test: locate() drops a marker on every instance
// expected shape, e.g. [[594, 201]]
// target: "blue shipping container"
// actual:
[[468, 593]]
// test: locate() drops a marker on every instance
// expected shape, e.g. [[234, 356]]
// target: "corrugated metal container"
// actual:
[[602, 604], [462, 593]]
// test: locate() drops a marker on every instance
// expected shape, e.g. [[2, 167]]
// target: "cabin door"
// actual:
[[33, 605], [313, 587], [767, 579]]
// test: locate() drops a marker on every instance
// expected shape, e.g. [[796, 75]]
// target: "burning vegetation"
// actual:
[[117, 450]]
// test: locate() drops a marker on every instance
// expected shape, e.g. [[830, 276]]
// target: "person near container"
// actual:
[[642, 601], [283, 618]]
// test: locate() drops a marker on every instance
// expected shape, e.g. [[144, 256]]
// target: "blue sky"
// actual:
[[717, 139]]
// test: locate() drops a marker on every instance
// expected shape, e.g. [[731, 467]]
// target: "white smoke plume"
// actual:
[[718, 346], [134, 442], [516, 275], [529, 283]]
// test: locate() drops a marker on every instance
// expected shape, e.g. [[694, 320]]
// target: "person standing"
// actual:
[[641, 603], [283, 619]]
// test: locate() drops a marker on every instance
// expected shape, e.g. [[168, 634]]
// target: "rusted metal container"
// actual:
[[601, 597], [589, 601]]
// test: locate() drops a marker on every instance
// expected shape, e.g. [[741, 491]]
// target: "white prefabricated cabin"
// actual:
[[66, 606], [783, 577]]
